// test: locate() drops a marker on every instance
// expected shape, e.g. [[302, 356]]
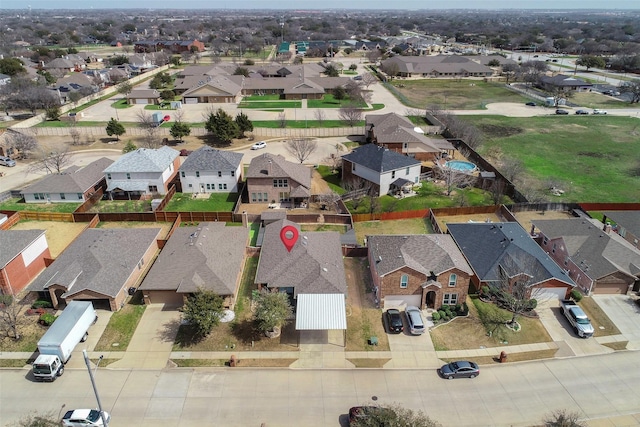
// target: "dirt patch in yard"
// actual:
[[165, 226], [59, 234], [525, 218]]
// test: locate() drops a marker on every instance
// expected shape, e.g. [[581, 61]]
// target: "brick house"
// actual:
[[272, 179], [597, 259], [22, 258], [427, 271], [100, 265], [627, 225]]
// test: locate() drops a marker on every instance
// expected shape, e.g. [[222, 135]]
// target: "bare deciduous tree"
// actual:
[[328, 199], [301, 148], [10, 319], [52, 159], [320, 115], [282, 120], [563, 418], [453, 178], [511, 168], [369, 79], [150, 129], [21, 142], [350, 115]]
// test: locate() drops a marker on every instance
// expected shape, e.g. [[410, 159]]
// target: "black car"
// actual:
[[394, 321], [459, 369], [562, 112], [582, 112], [531, 104]]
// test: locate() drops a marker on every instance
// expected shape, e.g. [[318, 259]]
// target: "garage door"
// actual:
[[551, 295], [191, 100], [164, 297], [395, 301], [142, 101], [610, 288]]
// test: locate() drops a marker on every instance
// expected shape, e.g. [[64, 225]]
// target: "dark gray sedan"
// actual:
[[459, 369]]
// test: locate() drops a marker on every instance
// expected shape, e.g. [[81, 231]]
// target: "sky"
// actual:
[[321, 4]]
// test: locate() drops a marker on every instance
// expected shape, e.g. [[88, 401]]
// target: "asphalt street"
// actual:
[[516, 394]]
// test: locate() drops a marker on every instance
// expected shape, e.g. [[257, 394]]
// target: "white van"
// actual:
[[5, 161]]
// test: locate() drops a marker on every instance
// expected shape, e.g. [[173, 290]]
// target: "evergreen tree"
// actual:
[[114, 127], [221, 126], [244, 124], [179, 130]]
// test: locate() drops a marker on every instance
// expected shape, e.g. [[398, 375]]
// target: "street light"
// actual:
[[93, 383]]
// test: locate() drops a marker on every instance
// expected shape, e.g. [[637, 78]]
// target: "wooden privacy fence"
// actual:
[[47, 216], [390, 215]]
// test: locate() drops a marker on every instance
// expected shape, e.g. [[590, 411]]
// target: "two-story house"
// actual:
[[142, 173], [208, 170], [387, 170], [426, 271], [272, 179]]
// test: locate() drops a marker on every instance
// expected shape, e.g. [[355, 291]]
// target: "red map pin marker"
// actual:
[[289, 236]]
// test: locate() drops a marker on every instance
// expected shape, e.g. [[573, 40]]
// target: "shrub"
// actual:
[[532, 304], [465, 309], [47, 319], [435, 316], [452, 314], [457, 308], [6, 299], [442, 313], [576, 295], [445, 307], [42, 304]]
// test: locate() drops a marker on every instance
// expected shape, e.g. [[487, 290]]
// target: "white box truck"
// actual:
[[58, 342]]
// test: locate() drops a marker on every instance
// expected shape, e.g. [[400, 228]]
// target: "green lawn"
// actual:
[[120, 104], [121, 326], [591, 158], [271, 97], [333, 179], [328, 101], [451, 94], [270, 104], [597, 100], [217, 202], [16, 204], [302, 124]]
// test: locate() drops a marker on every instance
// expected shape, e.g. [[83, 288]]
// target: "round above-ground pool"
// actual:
[[460, 165]]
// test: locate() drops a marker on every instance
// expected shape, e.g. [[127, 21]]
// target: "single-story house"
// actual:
[[208, 89], [504, 251], [74, 184], [22, 258], [143, 172], [564, 82], [435, 66], [386, 170], [598, 260], [100, 266], [144, 97], [210, 257], [270, 179], [311, 273], [426, 271], [208, 170]]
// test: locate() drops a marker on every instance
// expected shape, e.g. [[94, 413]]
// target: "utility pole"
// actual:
[[95, 389]]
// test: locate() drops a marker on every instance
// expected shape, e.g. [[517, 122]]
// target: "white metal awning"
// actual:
[[320, 312]]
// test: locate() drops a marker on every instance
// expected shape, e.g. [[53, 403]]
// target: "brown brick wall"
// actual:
[[17, 276]]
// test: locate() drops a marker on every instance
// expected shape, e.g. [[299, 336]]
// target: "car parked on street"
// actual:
[[582, 112], [562, 112], [5, 161], [414, 320], [394, 321], [84, 418], [459, 369], [598, 111], [259, 145], [531, 104]]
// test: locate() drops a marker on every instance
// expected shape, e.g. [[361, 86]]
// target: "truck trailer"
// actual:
[[63, 336]]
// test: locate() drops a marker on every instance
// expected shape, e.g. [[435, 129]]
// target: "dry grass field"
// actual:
[[59, 234]]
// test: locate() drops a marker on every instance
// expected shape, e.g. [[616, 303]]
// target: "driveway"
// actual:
[[562, 333], [625, 313]]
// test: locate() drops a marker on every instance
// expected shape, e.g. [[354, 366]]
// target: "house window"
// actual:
[[108, 176], [452, 279], [450, 299], [208, 186], [222, 186], [190, 185], [258, 197], [128, 176], [283, 196], [393, 174], [353, 167], [80, 196], [405, 145], [219, 174], [197, 174], [62, 196], [38, 196], [253, 197], [554, 248], [233, 173], [182, 174], [153, 188], [545, 241], [280, 183], [404, 281], [406, 171]]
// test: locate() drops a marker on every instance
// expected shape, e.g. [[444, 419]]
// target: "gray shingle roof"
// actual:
[[13, 242], [599, 253], [489, 246], [210, 159], [426, 253], [275, 166], [314, 265], [562, 80], [379, 158], [100, 260], [144, 160], [627, 219], [71, 180], [209, 256]]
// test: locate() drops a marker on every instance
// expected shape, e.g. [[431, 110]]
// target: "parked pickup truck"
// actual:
[[578, 319]]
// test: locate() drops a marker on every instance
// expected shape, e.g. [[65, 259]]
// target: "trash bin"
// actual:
[[132, 290], [503, 356], [373, 341]]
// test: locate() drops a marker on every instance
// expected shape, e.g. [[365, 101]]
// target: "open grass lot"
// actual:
[[591, 158], [270, 104], [597, 100], [59, 234], [217, 202], [397, 226], [122, 206], [16, 204], [471, 332], [452, 94], [241, 334], [602, 325], [302, 124], [121, 326], [364, 320], [328, 101], [164, 226]]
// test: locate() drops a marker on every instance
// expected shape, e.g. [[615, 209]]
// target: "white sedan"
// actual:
[[259, 145], [596, 111], [84, 418]]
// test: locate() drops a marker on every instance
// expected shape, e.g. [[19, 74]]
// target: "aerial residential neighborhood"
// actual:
[[319, 217]]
